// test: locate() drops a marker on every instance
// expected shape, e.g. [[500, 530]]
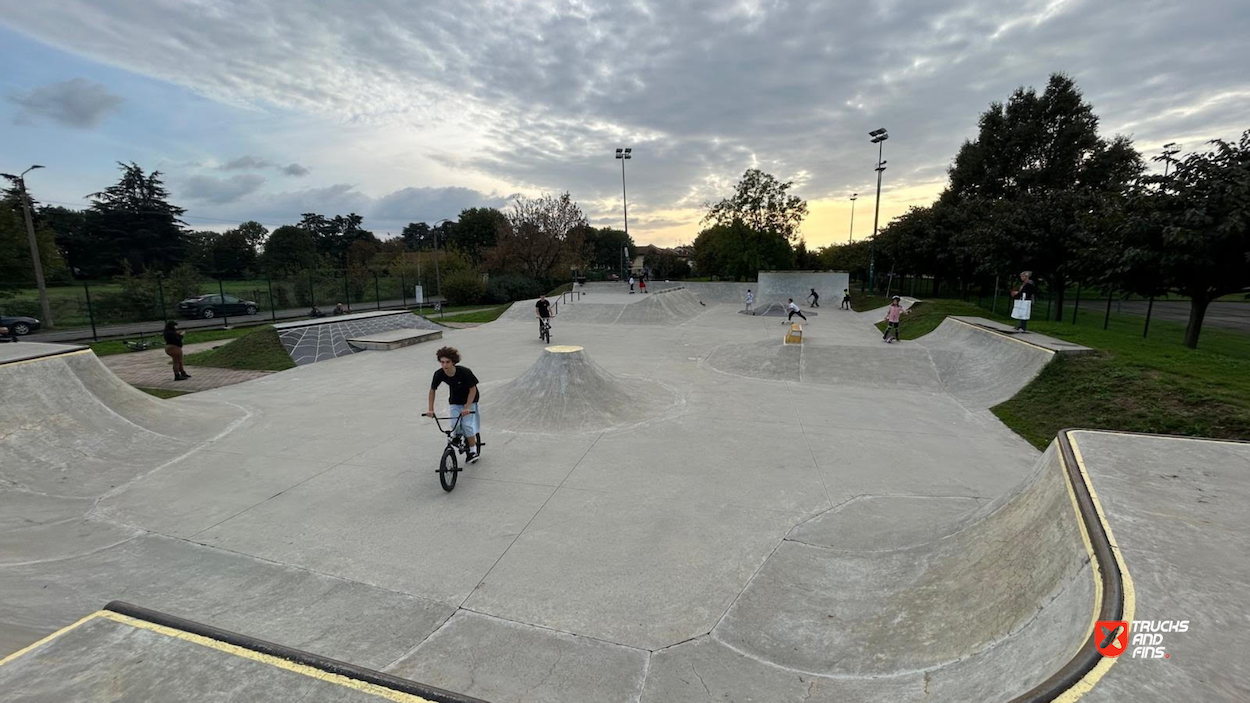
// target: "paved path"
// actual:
[[151, 369], [1233, 316]]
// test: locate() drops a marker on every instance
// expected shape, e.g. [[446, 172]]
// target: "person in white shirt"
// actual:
[[750, 301], [793, 307], [631, 285]]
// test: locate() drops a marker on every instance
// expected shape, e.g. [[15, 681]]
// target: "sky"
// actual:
[[409, 111]]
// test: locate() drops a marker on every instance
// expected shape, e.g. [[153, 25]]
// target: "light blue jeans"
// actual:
[[469, 424]]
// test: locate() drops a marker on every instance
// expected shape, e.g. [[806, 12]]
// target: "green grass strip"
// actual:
[[258, 350]]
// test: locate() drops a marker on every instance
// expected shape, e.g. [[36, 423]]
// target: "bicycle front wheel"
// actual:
[[547, 334], [448, 468]]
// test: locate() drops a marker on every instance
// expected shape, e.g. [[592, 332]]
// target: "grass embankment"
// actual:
[[257, 350], [478, 316], [116, 346], [1133, 384]]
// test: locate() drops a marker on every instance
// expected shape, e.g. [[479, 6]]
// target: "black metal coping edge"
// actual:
[[70, 349], [1112, 606], [316, 661]]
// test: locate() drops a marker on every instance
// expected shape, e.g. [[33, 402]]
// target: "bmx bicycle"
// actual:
[[449, 465], [544, 329]]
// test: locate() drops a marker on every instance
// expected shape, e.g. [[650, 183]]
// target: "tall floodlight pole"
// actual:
[[44, 306], [878, 137], [624, 155], [854, 197], [1169, 150]]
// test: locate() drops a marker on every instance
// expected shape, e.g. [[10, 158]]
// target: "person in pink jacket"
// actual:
[[892, 315]]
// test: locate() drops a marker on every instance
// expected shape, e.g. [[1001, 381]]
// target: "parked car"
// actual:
[[209, 306], [19, 324]]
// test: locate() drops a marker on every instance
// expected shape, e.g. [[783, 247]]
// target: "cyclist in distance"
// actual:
[[463, 398], [542, 310]]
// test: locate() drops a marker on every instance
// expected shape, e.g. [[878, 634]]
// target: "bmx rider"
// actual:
[[463, 399], [542, 310]]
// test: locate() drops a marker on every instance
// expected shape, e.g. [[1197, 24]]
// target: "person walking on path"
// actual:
[[642, 285], [846, 299], [793, 307], [815, 298], [462, 400], [750, 301], [1025, 295], [892, 315], [173, 347], [631, 285]]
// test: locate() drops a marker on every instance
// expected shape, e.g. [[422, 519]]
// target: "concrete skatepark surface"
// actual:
[[846, 528]]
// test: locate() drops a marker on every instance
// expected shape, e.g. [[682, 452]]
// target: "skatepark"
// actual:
[[671, 505]]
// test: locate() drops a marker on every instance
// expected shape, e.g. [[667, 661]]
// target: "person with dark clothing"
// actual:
[[815, 298], [542, 310], [463, 397], [1025, 295], [173, 347], [846, 299]]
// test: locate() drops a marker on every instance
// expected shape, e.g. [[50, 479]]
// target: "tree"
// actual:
[[335, 236], [605, 248], [1191, 230], [16, 267], [762, 203], [738, 251], [254, 234], [132, 220], [417, 236], [1036, 166], [540, 235], [70, 230], [231, 254], [290, 249], [664, 264], [477, 231]]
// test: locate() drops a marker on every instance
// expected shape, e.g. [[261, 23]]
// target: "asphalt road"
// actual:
[[1233, 316]]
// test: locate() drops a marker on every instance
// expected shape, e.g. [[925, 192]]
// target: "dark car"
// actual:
[[208, 306], [19, 324]]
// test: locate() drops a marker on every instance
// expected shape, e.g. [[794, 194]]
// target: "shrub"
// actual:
[[464, 288], [505, 288]]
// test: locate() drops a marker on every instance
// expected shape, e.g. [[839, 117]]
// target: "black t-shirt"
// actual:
[[172, 337], [458, 384], [544, 309], [1028, 291]]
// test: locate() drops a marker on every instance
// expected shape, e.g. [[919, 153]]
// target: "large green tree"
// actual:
[[16, 266], [132, 221], [542, 238], [477, 231], [762, 203], [1036, 167], [290, 249], [605, 248], [738, 251]]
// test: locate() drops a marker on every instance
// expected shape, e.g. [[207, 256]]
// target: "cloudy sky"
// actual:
[[407, 110]]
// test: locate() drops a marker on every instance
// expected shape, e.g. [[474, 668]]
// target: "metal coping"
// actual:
[[64, 350], [1112, 606], [316, 661]]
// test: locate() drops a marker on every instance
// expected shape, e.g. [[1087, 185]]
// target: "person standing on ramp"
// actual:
[[1023, 308], [846, 299], [892, 315], [750, 301], [463, 398], [793, 307], [815, 297]]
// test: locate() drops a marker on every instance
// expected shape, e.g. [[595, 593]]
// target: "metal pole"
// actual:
[[225, 319], [1107, 318], [624, 199], [1149, 307], [90, 311], [273, 309], [160, 289], [994, 307], [312, 297], [346, 293], [377, 293], [1077, 305], [45, 307], [872, 247], [852, 235], [403, 289], [438, 277]]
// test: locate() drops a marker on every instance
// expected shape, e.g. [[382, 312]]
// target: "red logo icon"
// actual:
[[1111, 637]]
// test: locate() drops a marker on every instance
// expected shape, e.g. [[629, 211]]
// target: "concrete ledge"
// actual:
[[25, 351], [329, 318], [394, 339], [1038, 340]]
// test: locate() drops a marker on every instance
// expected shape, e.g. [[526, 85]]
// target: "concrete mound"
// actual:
[[566, 391], [980, 367]]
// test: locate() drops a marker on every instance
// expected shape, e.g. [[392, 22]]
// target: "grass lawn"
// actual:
[[259, 349], [1132, 384], [163, 393], [115, 346], [486, 315]]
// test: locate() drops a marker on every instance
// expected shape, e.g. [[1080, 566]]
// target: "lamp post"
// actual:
[[854, 197], [44, 307], [624, 155], [878, 137], [1169, 150]]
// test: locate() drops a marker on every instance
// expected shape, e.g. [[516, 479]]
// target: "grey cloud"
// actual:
[[255, 163], [77, 103], [699, 92], [219, 191], [295, 170]]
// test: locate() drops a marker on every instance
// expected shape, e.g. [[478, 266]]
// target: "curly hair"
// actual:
[[448, 353]]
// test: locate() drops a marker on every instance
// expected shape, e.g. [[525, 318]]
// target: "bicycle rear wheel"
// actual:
[[448, 468]]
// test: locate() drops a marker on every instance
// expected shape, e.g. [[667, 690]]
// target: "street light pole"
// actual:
[[854, 197], [878, 137], [624, 155], [44, 306]]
